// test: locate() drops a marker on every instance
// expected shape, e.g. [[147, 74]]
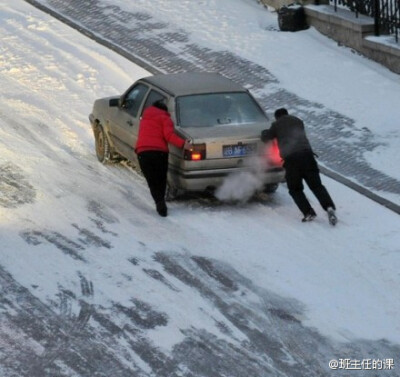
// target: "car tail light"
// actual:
[[272, 153], [196, 153]]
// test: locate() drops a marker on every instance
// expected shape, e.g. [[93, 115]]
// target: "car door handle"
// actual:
[[130, 123]]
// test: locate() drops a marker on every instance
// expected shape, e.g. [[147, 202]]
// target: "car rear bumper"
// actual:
[[203, 180]]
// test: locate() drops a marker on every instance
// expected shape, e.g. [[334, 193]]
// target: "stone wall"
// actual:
[[389, 56], [276, 4], [344, 27]]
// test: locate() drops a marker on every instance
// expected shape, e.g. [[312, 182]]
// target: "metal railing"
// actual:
[[386, 13]]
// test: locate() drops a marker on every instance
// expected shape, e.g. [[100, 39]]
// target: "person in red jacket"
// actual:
[[156, 131]]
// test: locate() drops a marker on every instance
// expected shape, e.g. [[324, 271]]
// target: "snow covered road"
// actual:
[[94, 283]]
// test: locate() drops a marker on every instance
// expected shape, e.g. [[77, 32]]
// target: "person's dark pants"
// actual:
[[154, 165], [302, 166]]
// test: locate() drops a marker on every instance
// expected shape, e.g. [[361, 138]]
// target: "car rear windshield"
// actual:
[[218, 109]]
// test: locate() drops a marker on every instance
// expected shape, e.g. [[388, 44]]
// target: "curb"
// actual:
[[361, 190]]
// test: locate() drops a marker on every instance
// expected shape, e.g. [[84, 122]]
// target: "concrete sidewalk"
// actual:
[[158, 47]]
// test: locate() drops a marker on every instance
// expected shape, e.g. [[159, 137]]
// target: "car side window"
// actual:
[[153, 97], [134, 99]]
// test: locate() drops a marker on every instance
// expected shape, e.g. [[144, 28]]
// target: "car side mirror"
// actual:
[[114, 102]]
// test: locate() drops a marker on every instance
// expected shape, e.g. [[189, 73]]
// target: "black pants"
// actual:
[[302, 166], [154, 165]]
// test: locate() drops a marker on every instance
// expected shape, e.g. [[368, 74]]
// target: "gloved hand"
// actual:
[[265, 135], [188, 145]]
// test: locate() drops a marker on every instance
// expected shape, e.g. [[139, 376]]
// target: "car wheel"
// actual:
[[271, 188], [171, 193], [102, 144]]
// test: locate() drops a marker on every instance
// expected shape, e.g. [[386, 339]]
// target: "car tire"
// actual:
[[271, 188], [171, 193], [102, 144]]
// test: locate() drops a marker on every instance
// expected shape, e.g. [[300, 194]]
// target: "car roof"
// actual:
[[179, 84]]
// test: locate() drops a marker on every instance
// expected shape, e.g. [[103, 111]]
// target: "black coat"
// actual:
[[290, 134]]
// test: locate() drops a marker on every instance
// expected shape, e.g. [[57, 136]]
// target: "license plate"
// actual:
[[238, 150]]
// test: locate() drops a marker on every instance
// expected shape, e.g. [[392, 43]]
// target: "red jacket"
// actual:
[[156, 130]]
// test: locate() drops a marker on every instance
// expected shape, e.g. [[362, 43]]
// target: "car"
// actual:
[[220, 117]]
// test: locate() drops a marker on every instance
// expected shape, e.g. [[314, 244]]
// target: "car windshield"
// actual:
[[218, 109]]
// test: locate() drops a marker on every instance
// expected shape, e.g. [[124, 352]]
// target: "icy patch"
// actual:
[[15, 190]]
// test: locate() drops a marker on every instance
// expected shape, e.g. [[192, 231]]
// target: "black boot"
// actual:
[[162, 208], [332, 216], [309, 216]]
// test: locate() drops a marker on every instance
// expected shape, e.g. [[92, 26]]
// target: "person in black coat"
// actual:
[[299, 163]]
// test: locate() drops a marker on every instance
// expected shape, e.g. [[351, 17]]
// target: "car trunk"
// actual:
[[221, 151]]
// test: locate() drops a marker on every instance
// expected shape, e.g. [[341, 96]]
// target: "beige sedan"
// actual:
[[220, 117]]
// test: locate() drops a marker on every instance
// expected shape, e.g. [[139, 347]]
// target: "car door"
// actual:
[[125, 122]]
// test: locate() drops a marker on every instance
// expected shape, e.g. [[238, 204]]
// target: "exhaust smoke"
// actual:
[[241, 186]]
